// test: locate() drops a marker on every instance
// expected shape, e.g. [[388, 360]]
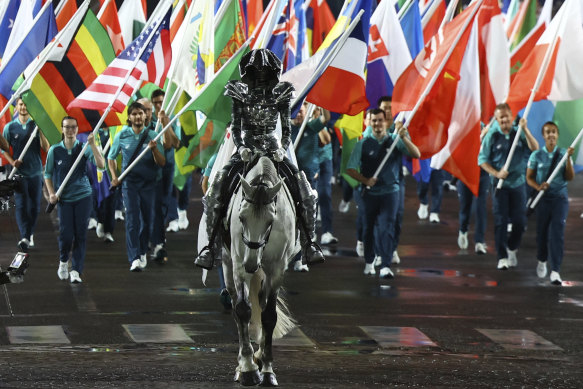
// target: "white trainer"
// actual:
[[328, 238], [344, 206], [63, 271], [541, 269], [119, 215], [502, 264], [377, 260], [369, 269], [92, 223], [182, 219], [480, 248], [173, 226], [512, 259], [423, 212], [143, 261], [434, 217], [135, 265], [31, 241], [75, 278], [100, 231], [300, 267], [556, 278], [462, 240], [396, 259], [108, 238], [360, 249], [386, 272]]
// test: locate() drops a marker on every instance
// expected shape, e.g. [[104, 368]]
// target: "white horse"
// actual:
[[261, 240]]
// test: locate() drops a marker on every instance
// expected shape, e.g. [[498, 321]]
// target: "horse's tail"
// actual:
[[285, 321]]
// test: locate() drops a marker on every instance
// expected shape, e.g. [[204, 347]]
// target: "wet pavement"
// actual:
[[448, 319]]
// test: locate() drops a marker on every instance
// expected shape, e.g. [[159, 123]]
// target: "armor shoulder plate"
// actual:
[[283, 91], [236, 89]]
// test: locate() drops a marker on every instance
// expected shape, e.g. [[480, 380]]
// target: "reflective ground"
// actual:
[[448, 319]]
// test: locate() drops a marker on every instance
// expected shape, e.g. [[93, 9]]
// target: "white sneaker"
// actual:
[[509, 227], [512, 260], [108, 238], [377, 260], [99, 231], [502, 264], [300, 267], [143, 261], [360, 249], [31, 242], [135, 265], [328, 238], [434, 217], [462, 240], [386, 273], [23, 244], [556, 278], [75, 279], [92, 223], [182, 220], [119, 215], [344, 206], [173, 226], [480, 248], [396, 259], [63, 271], [423, 212], [369, 269], [541, 269]]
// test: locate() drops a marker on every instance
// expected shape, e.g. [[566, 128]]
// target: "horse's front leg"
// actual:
[[268, 322], [247, 371]]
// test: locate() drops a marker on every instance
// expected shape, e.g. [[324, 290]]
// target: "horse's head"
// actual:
[[257, 213]]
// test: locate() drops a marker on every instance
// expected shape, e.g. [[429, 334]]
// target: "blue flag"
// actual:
[[411, 25], [7, 23]]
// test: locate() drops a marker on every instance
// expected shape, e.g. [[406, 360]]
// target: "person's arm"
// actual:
[[530, 139], [205, 184], [99, 160], [170, 138], [44, 143], [324, 136], [51, 190], [157, 154], [112, 165], [4, 144], [484, 158], [370, 181], [49, 178], [499, 174], [569, 170], [412, 149]]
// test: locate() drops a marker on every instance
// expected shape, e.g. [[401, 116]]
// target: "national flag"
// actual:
[[524, 22], [569, 118], [319, 22], [67, 9], [26, 47], [132, 19], [153, 46], [254, 12], [510, 13], [59, 82], [7, 23], [463, 141], [411, 24], [178, 14], [432, 18], [7, 117], [110, 20], [341, 88], [388, 54], [205, 58], [428, 127], [561, 80]]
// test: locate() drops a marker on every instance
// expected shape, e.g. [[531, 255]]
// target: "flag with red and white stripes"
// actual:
[[152, 66]]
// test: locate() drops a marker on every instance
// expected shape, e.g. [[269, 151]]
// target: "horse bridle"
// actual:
[[257, 245]]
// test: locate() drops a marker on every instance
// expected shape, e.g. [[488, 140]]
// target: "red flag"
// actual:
[[254, 12], [66, 13], [110, 21], [319, 22], [176, 19], [432, 19]]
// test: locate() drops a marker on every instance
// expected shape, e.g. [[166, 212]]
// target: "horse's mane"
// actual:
[[262, 176]]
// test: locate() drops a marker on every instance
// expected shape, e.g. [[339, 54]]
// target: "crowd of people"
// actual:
[[152, 205]]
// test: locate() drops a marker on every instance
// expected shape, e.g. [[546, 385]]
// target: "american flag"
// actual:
[[152, 66]]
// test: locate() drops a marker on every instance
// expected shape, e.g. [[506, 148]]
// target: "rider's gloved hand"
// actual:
[[278, 155], [245, 153]]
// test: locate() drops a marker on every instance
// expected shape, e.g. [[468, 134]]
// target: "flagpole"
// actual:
[[50, 207], [431, 82], [102, 9], [24, 150], [34, 22], [557, 168], [449, 11], [307, 117], [538, 81]]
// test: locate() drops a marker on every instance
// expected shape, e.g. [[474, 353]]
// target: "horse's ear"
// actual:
[[274, 190], [247, 188]]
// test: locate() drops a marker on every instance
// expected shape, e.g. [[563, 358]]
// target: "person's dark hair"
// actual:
[[549, 123], [503, 107], [68, 118], [133, 106], [383, 99], [156, 93], [376, 111]]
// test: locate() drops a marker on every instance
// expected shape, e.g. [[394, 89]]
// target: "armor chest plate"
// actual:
[[261, 111]]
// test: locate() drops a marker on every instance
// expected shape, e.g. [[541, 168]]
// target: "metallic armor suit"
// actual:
[[258, 101]]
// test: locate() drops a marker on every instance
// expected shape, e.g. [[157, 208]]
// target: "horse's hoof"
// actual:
[[250, 378], [268, 380]]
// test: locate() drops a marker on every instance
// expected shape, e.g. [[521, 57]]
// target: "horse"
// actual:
[[259, 242]]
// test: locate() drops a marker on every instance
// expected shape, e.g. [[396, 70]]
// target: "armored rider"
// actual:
[[258, 100]]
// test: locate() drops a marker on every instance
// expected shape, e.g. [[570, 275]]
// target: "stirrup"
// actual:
[[205, 258], [312, 254]]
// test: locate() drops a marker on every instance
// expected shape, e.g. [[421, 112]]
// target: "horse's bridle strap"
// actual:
[[257, 245]]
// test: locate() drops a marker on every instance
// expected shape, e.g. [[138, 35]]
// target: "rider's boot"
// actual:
[[213, 212], [311, 251]]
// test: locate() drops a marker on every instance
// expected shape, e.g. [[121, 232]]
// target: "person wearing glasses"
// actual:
[[76, 200]]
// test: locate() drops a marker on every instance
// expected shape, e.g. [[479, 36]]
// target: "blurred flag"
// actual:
[[67, 9], [178, 14], [412, 29], [432, 18], [254, 12], [319, 22], [132, 19], [109, 18], [7, 23]]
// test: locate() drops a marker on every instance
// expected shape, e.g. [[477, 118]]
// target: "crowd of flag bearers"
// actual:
[[460, 79]]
